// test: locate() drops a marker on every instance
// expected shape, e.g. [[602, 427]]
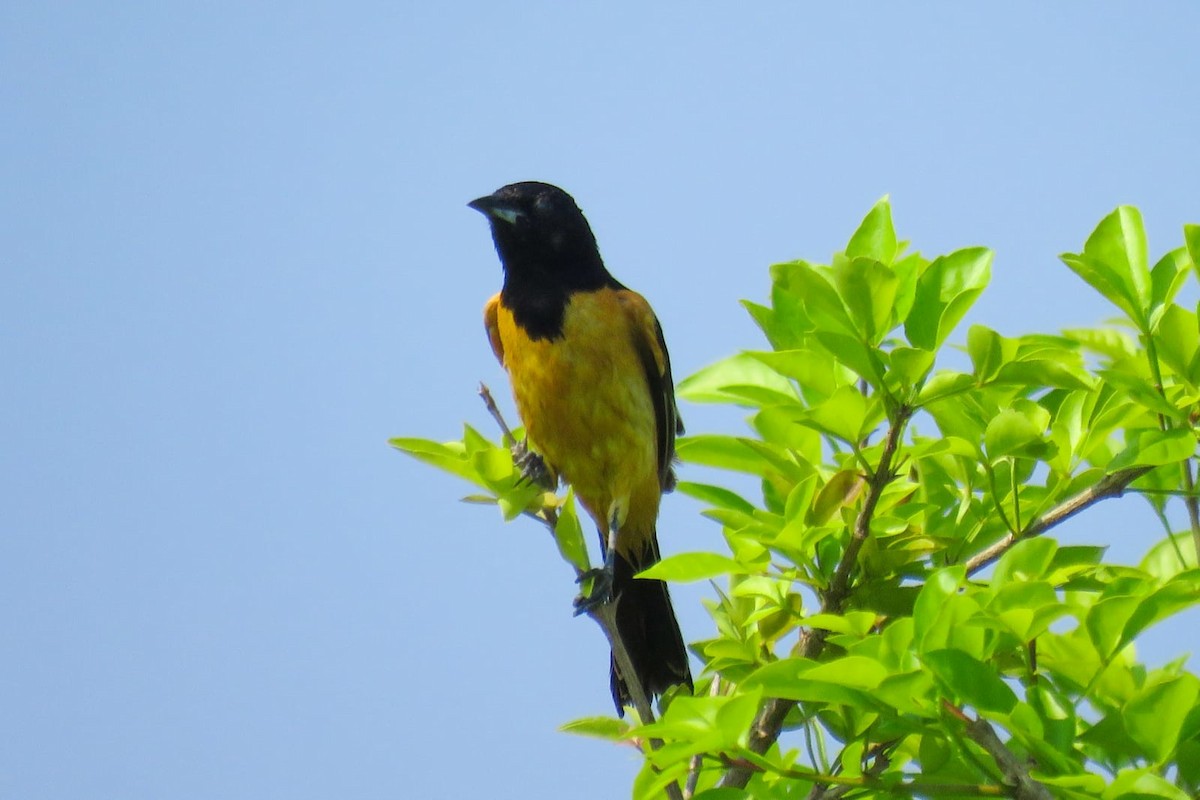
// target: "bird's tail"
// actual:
[[648, 628]]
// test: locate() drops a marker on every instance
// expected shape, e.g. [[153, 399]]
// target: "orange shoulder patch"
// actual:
[[491, 314]]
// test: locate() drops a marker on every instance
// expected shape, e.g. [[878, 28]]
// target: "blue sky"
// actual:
[[237, 258]]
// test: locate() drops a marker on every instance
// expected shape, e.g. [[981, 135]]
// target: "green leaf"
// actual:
[[1027, 560], [816, 373], [1182, 591], [1168, 276], [1114, 263], [1191, 238], [989, 351], [568, 535], [868, 291], [1177, 341], [1152, 448], [790, 679], [717, 496], [854, 354], [725, 452], [1087, 784], [1106, 620], [787, 426], [857, 672], [816, 293], [1012, 433], [1105, 280], [451, 456], [1155, 715], [945, 384], [939, 587], [687, 567], [784, 324], [933, 753], [839, 491], [1109, 342], [1120, 242], [971, 681], [876, 236], [858, 623], [708, 721], [493, 465], [910, 364], [712, 383], [1139, 784], [610, 728], [945, 291], [1171, 556], [847, 415], [1038, 372]]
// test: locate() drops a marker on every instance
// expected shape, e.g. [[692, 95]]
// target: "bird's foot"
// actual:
[[533, 467], [602, 590]]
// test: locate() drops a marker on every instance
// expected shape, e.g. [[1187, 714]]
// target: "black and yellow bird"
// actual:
[[592, 383]]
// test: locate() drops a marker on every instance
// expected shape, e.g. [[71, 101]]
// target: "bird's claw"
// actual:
[[601, 594], [533, 467]]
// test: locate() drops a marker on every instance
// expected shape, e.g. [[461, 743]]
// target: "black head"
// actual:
[[541, 235]]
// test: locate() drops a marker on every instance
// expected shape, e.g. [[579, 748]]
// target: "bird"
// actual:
[[591, 379]]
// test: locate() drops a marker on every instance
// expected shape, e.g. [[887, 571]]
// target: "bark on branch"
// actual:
[[1111, 485]]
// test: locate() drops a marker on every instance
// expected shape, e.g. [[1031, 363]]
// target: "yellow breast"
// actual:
[[585, 402]]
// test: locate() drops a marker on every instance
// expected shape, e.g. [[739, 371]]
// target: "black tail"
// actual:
[[646, 622]]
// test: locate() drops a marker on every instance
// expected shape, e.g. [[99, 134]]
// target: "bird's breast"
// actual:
[[585, 400]]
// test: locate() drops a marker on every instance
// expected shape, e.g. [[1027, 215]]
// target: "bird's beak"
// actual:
[[494, 208]]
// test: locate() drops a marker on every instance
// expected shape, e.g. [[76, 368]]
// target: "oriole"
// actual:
[[592, 383]]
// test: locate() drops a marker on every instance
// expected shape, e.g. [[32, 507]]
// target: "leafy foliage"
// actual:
[[897, 619]]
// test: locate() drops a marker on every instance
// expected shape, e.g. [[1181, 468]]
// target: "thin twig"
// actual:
[[1016, 775], [605, 614], [839, 587], [879, 752], [1111, 485], [490, 403]]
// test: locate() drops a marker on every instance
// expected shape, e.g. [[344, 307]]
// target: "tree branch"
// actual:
[[839, 587], [605, 615], [769, 722], [1015, 774], [1111, 485]]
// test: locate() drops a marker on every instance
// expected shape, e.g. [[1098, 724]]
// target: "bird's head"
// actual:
[[539, 230]]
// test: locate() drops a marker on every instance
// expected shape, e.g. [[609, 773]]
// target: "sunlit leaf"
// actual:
[[868, 291], [1119, 241], [685, 567], [1152, 448], [711, 384], [609, 728], [1013, 433], [971, 681], [875, 237], [1155, 716], [947, 288], [568, 535]]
